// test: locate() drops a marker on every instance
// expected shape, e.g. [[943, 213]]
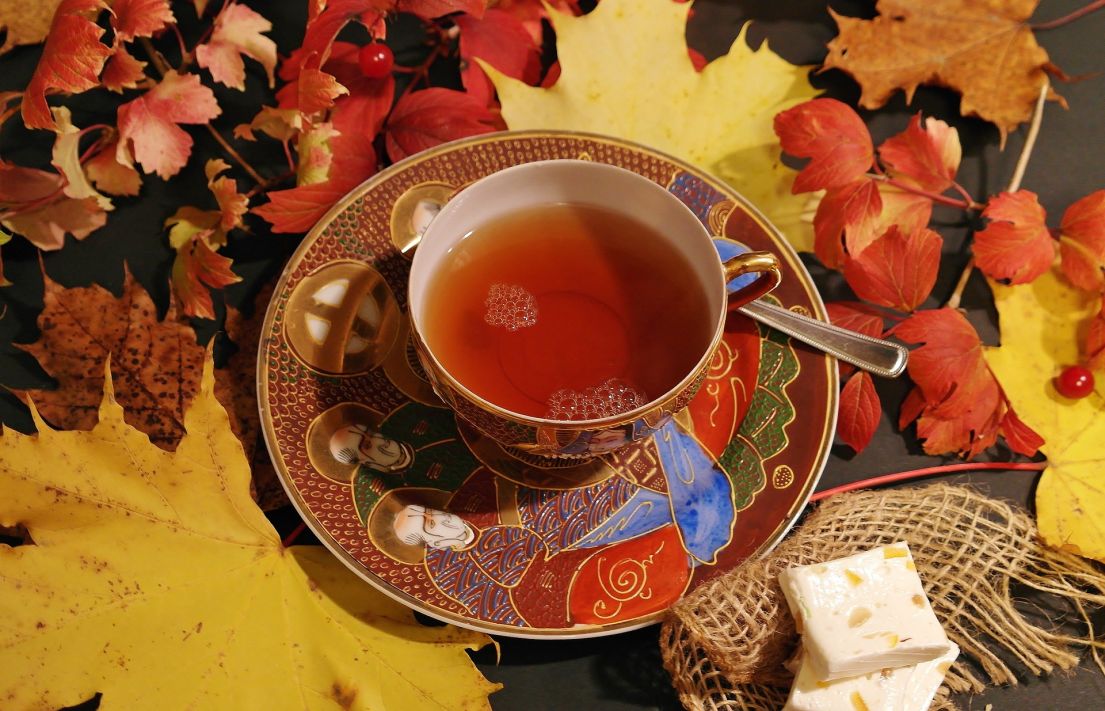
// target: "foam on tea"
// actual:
[[567, 312]]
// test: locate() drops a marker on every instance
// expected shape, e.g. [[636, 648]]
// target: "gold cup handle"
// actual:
[[764, 263]]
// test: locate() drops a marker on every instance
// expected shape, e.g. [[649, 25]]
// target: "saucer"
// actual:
[[452, 524]]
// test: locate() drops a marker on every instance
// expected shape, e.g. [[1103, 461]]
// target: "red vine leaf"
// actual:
[[926, 157], [501, 40], [849, 209], [71, 60], [122, 71], [896, 270], [232, 204], [860, 411], [44, 215], [429, 9], [66, 159], [1016, 245], [1082, 242], [149, 123], [854, 317], [365, 108], [299, 208], [833, 136], [238, 31], [1021, 438], [424, 119], [312, 91], [335, 15], [111, 176], [139, 18], [196, 268]]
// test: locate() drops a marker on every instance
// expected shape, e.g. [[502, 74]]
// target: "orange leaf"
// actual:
[[927, 157], [1016, 245], [237, 32], [71, 60], [44, 214], [896, 270], [139, 18], [429, 9], [196, 268], [111, 176], [123, 71], [1082, 242], [833, 136], [149, 123], [860, 411], [501, 40], [985, 51], [848, 209], [26, 22], [232, 204], [314, 90], [430, 117]]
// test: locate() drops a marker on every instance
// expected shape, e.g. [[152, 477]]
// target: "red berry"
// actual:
[[376, 60], [1074, 382]]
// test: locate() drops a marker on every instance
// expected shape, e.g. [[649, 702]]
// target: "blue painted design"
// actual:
[[701, 493], [727, 249], [695, 194], [646, 511], [561, 518]]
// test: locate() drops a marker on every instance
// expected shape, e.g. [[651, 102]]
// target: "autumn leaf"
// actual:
[[162, 559], [281, 124], [860, 412], [150, 123], [196, 269], [122, 71], [66, 158], [429, 9], [237, 32], [111, 176], [232, 204], [427, 118], [1095, 341], [367, 102], [1016, 245], [324, 27], [33, 204], [719, 119], [71, 60], [314, 153], [926, 157], [25, 22], [967, 46], [850, 209], [313, 91], [139, 18], [500, 39], [1040, 335], [958, 404], [832, 136], [4, 239], [298, 209], [896, 270], [1082, 242]]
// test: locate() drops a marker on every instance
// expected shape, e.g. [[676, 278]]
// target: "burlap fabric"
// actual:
[[724, 645]]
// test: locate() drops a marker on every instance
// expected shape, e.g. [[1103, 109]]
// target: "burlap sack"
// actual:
[[724, 645]]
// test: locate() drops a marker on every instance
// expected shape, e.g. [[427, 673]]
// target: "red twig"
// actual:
[[965, 204], [291, 537], [927, 471], [1065, 19]]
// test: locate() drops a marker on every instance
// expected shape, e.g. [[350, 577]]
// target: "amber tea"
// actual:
[[567, 312]]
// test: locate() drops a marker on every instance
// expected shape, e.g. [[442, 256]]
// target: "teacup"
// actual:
[[585, 185]]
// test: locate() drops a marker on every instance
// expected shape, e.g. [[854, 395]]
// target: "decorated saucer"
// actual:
[[449, 522]]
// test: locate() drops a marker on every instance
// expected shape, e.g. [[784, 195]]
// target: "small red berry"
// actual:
[[1074, 382], [376, 60]]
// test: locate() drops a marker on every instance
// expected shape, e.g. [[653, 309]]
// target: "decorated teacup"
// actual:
[[541, 188]]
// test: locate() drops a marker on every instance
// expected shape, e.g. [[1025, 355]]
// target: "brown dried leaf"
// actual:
[[983, 50], [25, 22]]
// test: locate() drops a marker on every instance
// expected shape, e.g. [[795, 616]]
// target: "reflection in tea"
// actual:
[[567, 312]]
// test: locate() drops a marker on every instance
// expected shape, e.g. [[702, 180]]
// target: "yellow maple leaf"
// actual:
[[152, 578], [1041, 326], [625, 72]]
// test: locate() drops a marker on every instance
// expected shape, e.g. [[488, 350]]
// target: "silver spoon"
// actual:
[[874, 355]]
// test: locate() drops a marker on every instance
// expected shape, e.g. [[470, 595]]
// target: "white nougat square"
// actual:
[[863, 613], [909, 688]]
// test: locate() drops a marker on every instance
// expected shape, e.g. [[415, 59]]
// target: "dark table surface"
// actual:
[[623, 671]]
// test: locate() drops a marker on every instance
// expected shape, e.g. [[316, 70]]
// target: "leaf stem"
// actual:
[[1030, 139], [927, 471], [419, 73], [960, 285], [966, 204], [291, 537], [1066, 19], [180, 41]]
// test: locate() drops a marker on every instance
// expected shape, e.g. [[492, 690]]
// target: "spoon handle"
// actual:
[[874, 355]]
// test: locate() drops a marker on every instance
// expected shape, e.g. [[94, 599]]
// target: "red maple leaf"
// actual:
[[430, 117], [851, 207], [896, 270], [926, 157], [139, 18], [429, 9], [123, 70], [1082, 242], [833, 136], [196, 269], [860, 411], [298, 209], [501, 40], [149, 123], [238, 31], [1016, 245], [71, 60]]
